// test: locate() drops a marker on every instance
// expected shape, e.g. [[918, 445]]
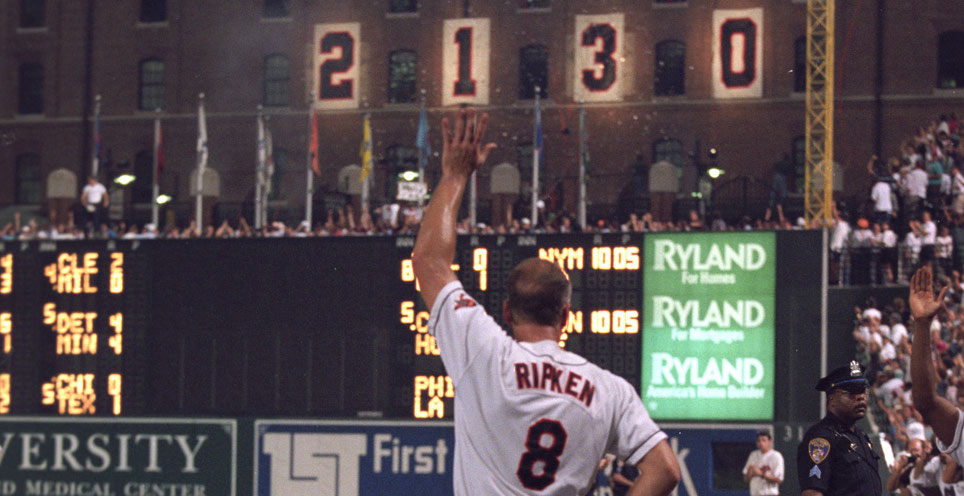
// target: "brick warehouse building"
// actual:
[[648, 78]]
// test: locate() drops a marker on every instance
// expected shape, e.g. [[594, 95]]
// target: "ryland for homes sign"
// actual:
[[708, 304]]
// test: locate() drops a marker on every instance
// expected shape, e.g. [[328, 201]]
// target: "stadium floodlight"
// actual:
[[715, 172], [408, 176], [125, 179], [162, 199]]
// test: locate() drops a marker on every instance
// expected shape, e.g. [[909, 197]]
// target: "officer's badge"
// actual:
[[854, 369], [819, 448]]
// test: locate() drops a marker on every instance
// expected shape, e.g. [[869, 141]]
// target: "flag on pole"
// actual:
[[313, 144], [538, 136], [159, 146], [262, 149], [421, 137], [98, 139], [202, 137], [366, 148], [268, 161]]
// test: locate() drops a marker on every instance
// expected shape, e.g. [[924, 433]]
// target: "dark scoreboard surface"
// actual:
[[294, 327], [322, 327]]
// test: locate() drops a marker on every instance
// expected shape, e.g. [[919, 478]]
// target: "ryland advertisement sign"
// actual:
[[709, 328]]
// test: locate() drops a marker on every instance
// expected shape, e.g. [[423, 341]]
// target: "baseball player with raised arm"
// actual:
[[531, 418], [946, 420]]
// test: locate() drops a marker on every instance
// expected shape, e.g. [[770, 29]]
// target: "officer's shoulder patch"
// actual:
[[819, 448]]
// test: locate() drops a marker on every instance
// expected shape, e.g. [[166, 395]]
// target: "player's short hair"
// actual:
[[538, 290], [765, 434]]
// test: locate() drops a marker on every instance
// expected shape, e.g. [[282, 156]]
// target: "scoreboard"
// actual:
[[71, 331], [334, 327], [604, 321]]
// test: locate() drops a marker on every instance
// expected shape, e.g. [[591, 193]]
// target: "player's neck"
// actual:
[[533, 333]]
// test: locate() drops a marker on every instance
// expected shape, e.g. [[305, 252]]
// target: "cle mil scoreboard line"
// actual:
[[68, 343]]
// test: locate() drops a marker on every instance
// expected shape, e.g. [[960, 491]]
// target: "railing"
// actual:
[[872, 266]]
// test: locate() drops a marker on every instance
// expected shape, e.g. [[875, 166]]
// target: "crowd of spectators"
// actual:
[[388, 219], [915, 202], [884, 348]]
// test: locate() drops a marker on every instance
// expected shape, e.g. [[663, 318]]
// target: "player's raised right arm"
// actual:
[[462, 153], [939, 413]]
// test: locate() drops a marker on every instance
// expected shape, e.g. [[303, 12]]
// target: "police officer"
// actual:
[[835, 456]]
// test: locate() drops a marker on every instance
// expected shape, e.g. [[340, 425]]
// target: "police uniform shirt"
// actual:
[[834, 460], [530, 418]]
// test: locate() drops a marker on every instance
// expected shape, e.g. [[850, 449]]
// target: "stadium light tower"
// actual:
[[818, 198]]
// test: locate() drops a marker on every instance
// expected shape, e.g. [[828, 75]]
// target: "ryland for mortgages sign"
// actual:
[[708, 331]]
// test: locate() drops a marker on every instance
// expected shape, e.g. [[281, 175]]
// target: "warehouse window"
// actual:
[[279, 156], [533, 71], [401, 76], [276, 80], [670, 150], [142, 189], [800, 65], [277, 8], [950, 60], [402, 6], [799, 165], [151, 85], [31, 87], [28, 179], [32, 14], [670, 70], [153, 10], [398, 159]]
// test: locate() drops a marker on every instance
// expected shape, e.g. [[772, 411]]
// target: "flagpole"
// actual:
[[310, 179], [201, 164], [583, 150], [537, 129], [366, 144], [95, 160], [155, 189], [268, 169], [421, 155], [259, 172]]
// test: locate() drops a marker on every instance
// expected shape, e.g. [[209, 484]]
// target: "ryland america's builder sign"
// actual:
[[708, 304]]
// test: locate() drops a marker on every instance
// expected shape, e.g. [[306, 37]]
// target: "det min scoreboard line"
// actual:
[[64, 327]]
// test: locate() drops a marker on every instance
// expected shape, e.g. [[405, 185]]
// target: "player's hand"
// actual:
[[923, 304], [462, 149]]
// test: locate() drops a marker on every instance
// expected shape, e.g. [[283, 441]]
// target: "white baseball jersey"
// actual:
[[955, 489], [530, 418], [956, 448]]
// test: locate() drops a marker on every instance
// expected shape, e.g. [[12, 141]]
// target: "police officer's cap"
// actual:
[[849, 378]]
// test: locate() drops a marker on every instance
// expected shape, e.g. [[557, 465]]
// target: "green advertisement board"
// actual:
[[708, 331], [58, 456]]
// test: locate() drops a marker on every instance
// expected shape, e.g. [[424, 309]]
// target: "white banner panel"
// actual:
[[738, 53], [411, 191], [599, 50], [335, 67], [465, 61]]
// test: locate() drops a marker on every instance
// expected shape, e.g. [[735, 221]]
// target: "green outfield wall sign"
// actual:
[[117, 457], [708, 331]]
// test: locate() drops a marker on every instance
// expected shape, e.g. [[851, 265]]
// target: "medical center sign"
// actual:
[[708, 304]]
